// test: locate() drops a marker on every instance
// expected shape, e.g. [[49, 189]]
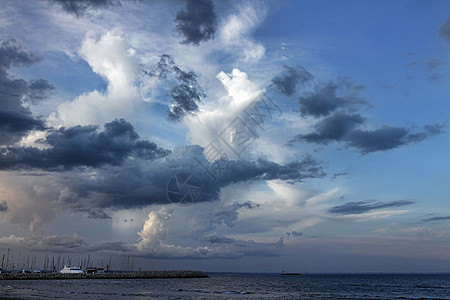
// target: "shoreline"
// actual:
[[128, 275]]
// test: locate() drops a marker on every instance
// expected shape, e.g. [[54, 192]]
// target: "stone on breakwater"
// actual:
[[129, 275]]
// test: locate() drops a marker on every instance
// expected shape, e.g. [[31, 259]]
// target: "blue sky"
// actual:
[[303, 135]]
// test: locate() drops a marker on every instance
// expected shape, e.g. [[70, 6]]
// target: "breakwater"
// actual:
[[128, 275]]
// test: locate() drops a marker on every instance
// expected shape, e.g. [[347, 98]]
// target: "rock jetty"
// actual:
[[128, 275]]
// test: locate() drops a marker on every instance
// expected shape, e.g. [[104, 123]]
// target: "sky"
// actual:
[[237, 136]]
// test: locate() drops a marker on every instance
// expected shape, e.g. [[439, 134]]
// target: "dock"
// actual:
[[127, 275]]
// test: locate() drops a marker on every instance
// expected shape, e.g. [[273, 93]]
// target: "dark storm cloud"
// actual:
[[384, 138], [13, 125], [352, 208], [337, 103], [138, 183], [324, 100], [15, 91], [15, 119], [83, 146], [437, 219], [342, 127], [38, 90], [198, 22], [80, 7], [444, 32], [262, 169], [334, 128], [3, 205], [186, 94], [288, 81], [12, 54]]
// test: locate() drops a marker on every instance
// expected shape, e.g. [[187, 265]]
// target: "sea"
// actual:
[[239, 286]]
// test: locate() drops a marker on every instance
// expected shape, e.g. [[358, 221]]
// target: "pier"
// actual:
[[126, 275]]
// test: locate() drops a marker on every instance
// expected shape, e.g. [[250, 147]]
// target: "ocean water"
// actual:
[[238, 286]]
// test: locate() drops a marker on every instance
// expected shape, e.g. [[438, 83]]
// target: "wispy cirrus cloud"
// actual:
[[434, 219], [235, 32], [360, 207]]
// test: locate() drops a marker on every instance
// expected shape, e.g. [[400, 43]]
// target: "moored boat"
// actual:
[[71, 270], [95, 270]]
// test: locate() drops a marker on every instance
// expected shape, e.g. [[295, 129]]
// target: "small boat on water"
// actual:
[[71, 270], [286, 273]]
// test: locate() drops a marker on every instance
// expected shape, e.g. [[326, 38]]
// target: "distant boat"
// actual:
[[71, 270], [286, 273]]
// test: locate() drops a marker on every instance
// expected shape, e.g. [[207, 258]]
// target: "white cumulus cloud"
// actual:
[[112, 58], [207, 125]]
